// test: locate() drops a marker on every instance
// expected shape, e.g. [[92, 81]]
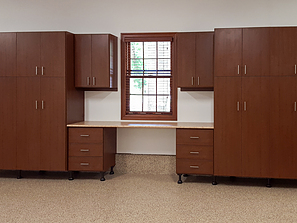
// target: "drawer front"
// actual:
[[85, 163], [81, 149], [191, 166], [194, 152], [194, 137], [85, 135]]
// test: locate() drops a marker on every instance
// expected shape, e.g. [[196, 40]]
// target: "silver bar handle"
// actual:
[[244, 69], [295, 68], [42, 70], [295, 106], [36, 70], [194, 152], [238, 69], [194, 137], [238, 107], [198, 81], [194, 167], [94, 80], [36, 105], [42, 104], [84, 135], [192, 80], [84, 150], [88, 80], [244, 106], [84, 164]]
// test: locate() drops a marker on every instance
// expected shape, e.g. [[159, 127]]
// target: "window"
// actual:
[[148, 86]]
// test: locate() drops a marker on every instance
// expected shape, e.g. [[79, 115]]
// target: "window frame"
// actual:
[[147, 37]]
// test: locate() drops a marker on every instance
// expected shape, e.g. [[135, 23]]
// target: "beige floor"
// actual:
[[143, 198]]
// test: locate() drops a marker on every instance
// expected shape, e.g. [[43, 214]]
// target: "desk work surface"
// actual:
[[166, 125]]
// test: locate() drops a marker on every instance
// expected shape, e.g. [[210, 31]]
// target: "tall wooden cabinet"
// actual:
[[96, 61], [38, 101], [195, 60]]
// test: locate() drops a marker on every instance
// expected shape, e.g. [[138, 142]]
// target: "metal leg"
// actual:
[[70, 175], [214, 180], [102, 176], [111, 170], [179, 179], [19, 174], [268, 182]]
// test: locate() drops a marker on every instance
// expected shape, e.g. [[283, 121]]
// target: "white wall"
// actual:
[[117, 16]]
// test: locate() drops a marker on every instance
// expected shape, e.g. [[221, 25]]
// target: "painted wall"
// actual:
[[117, 16]]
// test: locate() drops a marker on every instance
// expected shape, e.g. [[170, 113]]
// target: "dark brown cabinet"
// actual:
[[242, 52], [96, 61], [91, 149], [8, 54], [194, 152], [195, 60]]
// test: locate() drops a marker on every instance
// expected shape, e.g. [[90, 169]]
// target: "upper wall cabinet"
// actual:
[[242, 52], [8, 54], [96, 61], [283, 48], [195, 60], [41, 54]]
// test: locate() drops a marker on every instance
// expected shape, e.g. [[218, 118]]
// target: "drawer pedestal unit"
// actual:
[[91, 149], [194, 152]]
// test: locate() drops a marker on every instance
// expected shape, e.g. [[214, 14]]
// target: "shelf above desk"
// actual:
[[166, 125]]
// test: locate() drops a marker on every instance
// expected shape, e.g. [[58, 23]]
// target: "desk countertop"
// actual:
[[124, 124]]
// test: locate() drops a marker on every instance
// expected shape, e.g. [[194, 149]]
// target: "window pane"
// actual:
[[163, 86], [135, 85], [164, 49], [149, 103], [164, 64], [149, 86], [136, 103], [150, 66], [150, 50], [163, 104], [136, 49]]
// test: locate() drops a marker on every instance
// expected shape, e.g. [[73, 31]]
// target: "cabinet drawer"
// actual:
[[194, 152], [85, 163], [85, 135], [81, 149], [194, 137], [192, 166]]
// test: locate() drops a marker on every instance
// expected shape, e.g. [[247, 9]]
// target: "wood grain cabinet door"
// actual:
[[283, 120], [8, 123], [283, 47], [227, 126], [53, 54], [8, 55], [28, 123], [53, 124], [83, 60], [255, 126], [28, 54], [228, 52]]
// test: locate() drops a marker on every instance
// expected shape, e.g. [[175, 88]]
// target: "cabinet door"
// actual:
[[283, 48], [186, 59], [8, 54], [255, 52], [53, 124], [228, 52], [28, 51], [255, 127], [227, 131], [204, 59], [100, 61], [283, 136], [83, 49], [28, 123], [53, 54], [8, 111], [113, 62]]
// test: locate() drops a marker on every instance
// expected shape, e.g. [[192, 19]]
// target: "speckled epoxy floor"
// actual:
[[143, 198]]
